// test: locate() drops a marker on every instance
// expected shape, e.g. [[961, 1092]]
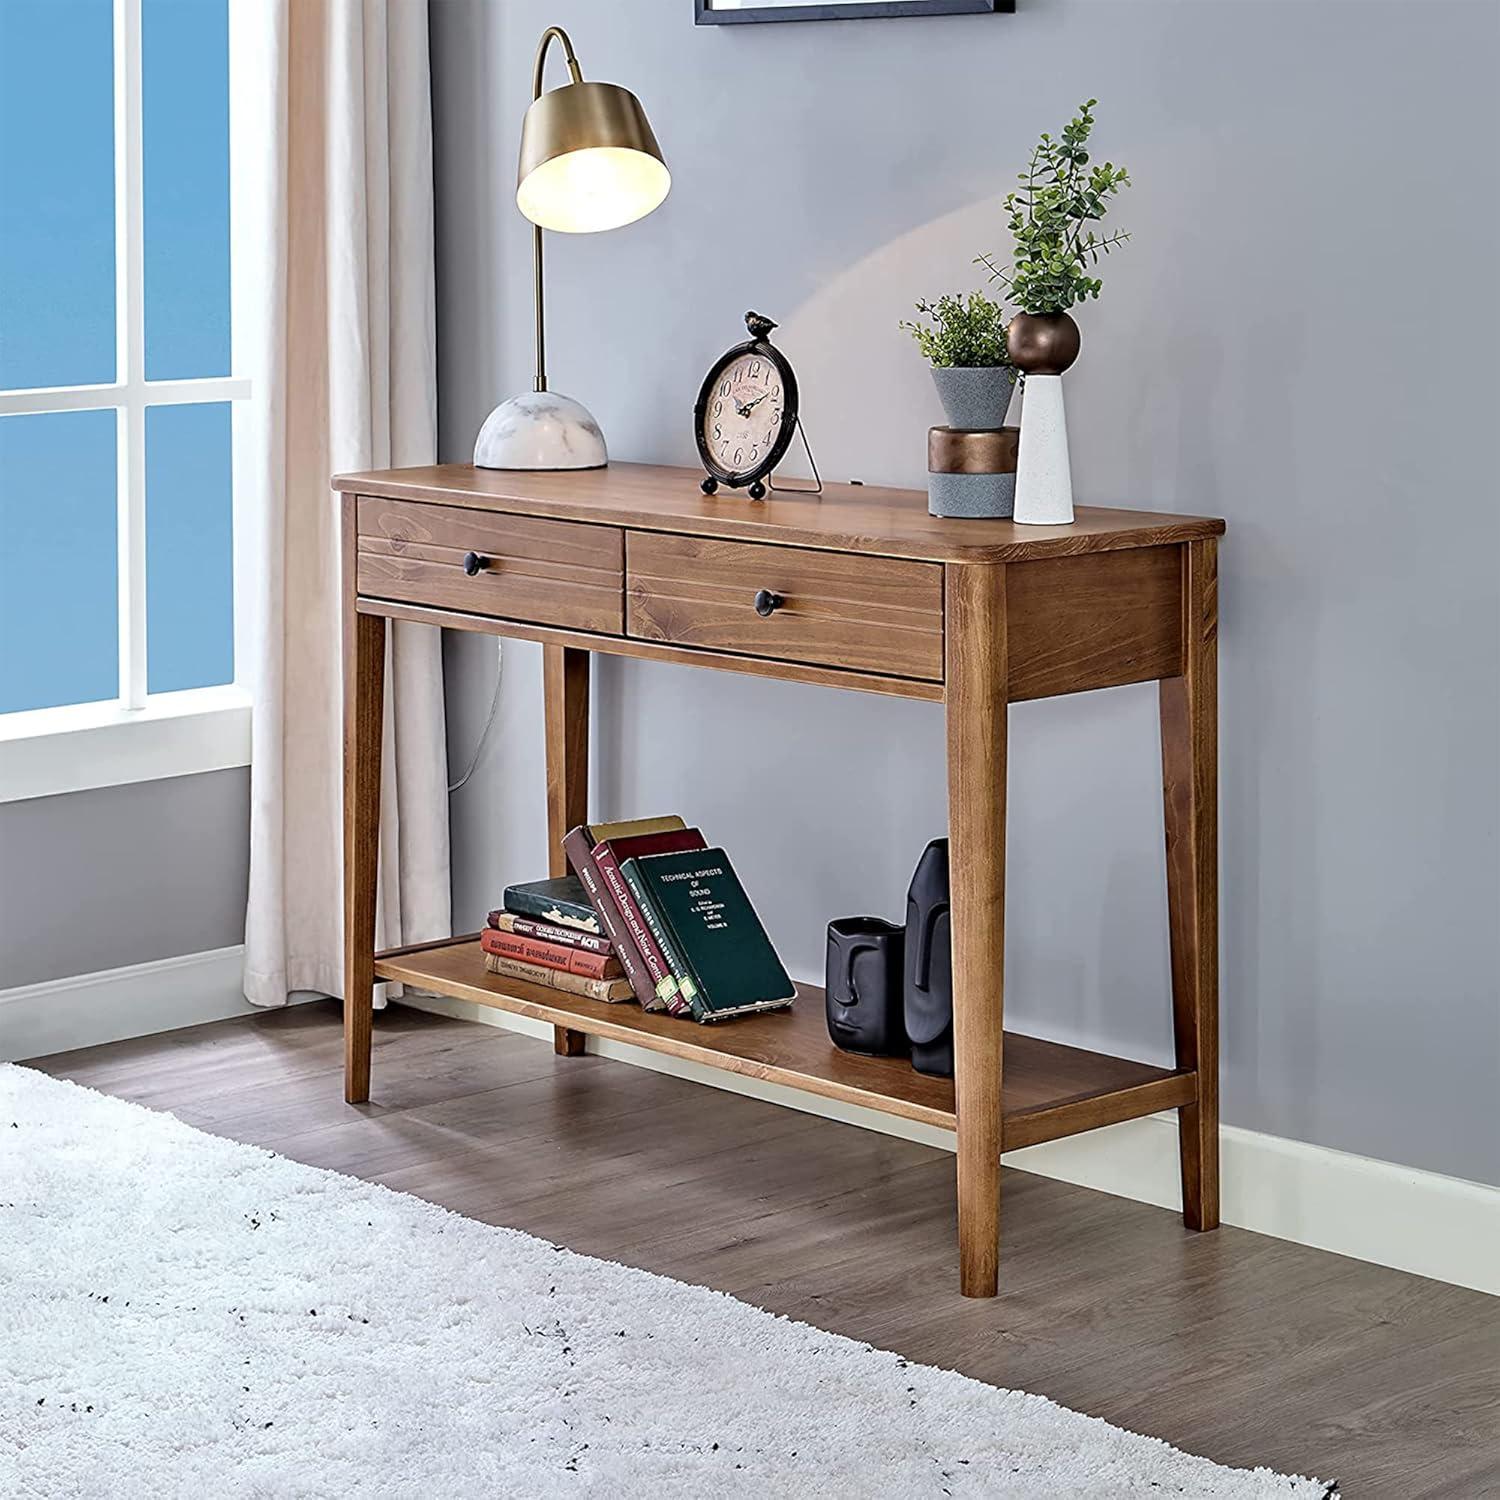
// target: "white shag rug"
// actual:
[[182, 1315]]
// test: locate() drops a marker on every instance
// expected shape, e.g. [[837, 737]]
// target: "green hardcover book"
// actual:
[[687, 987], [700, 905], [562, 900]]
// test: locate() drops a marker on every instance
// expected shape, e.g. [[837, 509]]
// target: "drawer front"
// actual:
[[867, 614], [559, 573]]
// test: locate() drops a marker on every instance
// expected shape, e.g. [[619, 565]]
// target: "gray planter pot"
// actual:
[[974, 397], [972, 496]]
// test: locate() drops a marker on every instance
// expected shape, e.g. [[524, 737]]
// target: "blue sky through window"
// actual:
[[58, 620], [57, 192], [58, 530], [185, 147], [189, 550]]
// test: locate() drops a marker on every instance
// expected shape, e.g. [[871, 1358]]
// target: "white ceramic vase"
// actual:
[[1044, 476]]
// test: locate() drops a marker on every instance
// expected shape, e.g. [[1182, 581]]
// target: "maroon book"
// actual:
[[550, 932], [578, 846], [608, 857]]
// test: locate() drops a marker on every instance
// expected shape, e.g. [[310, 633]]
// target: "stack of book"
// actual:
[[547, 933], [652, 898]]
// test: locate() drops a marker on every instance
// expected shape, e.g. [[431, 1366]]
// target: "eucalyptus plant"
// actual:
[[965, 332], [1062, 195]]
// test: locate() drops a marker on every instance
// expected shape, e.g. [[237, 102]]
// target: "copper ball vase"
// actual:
[[1042, 343]]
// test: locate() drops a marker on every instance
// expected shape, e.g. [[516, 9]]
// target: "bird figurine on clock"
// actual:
[[746, 412]]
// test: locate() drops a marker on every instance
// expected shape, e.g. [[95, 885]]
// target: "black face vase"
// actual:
[[928, 990], [864, 996]]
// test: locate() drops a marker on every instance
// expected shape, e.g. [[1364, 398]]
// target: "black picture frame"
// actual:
[[852, 10]]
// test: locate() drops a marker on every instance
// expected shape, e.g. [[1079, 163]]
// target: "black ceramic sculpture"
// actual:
[[864, 993], [928, 990]]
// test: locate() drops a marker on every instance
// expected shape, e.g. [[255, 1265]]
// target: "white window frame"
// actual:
[[135, 737]]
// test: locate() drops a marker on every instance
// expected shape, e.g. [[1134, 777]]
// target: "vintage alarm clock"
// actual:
[[746, 412]]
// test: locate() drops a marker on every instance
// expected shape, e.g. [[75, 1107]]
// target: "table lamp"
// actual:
[[588, 162]]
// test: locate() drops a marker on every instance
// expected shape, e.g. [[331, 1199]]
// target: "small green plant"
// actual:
[[1049, 218], [968, 332]]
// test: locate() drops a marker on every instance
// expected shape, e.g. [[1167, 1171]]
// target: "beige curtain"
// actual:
[[334, 325]]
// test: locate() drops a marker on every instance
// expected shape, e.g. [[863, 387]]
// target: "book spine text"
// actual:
[[687, 987], [551, 932], [550, 955], [555, 979], [581, 856], [655, 960]]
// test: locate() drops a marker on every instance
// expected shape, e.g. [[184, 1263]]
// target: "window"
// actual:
[[116, 497]]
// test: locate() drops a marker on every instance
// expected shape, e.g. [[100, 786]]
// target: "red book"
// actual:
[[578, 846], [608, 857], [549, 955]]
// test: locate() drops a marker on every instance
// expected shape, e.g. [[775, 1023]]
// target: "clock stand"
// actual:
[[757, 491]]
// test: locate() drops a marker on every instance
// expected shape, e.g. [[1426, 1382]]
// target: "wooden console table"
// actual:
[[860, 589]]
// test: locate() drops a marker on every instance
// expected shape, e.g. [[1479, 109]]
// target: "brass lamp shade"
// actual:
[[589, 160]]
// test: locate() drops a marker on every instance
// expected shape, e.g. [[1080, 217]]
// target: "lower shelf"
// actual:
[[1049, 1090]]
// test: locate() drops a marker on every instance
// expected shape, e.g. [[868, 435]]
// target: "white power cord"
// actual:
[[489, 723]]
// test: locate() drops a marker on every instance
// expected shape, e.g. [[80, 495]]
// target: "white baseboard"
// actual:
[[1423, 1222], [114, 1004]]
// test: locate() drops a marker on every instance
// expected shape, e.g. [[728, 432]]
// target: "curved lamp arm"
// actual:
[[575, 72], [576, 76]]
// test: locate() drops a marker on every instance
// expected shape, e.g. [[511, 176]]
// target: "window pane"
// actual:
[[57, 193], [189, 548], [59, 629], [185, 153]]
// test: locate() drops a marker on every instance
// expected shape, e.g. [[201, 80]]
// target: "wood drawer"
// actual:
[[867, 614], [561, 573]]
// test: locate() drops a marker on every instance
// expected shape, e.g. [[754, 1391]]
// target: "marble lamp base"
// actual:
[[540, 430]]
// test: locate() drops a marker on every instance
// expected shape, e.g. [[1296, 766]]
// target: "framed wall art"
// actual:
[[734, 12]]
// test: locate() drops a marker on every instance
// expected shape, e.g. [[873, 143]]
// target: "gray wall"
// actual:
[[123, 875], [1300, 338]]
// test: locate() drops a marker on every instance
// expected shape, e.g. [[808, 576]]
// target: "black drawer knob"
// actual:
[[475, 562], [767, 602]]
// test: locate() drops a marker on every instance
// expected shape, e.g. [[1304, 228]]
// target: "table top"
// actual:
[[844, 518]]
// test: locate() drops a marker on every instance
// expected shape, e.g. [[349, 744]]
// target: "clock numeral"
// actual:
[[744, 418]]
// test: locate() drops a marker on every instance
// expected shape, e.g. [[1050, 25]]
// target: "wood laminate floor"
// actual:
[[1230, 1344]]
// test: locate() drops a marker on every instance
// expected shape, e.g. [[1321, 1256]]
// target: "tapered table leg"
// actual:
[[565, 707], [1190, 800], [976, 696], [568, 1043], [364, 705]]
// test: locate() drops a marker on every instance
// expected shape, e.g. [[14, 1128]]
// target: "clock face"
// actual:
[[742, 416]]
